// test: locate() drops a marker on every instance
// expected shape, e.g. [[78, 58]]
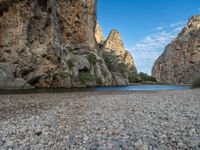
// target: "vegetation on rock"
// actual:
[[196, 83], [70, 64], [92, 59], [146, 77], [110, 60], [134, 77], [141, 77], [85, 76]]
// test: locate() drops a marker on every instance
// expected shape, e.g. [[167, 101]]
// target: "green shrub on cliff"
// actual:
[[101, 44], [70, 64], [141, 77], [85, 77], [110, 60], [134, 78], [146, 77], [196, 83], [92, 59]]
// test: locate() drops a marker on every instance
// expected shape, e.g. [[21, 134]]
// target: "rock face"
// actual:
[[180, 62], [99, 34], [50, 43], [114, 43], [123, 62]]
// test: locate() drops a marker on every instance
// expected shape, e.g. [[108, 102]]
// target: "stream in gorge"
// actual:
[[99, 89]]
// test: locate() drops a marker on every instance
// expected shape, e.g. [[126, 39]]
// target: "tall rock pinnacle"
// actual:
[[99, 34]]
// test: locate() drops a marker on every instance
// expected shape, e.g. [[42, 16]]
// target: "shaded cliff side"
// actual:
[[180, 62]]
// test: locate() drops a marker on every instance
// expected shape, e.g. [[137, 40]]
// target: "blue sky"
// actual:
[[146, 26]]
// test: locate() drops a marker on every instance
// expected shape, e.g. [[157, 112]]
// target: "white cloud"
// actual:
[[159, 28], [150, 48]]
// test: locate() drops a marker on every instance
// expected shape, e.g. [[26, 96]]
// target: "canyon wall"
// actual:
[[180, 62], [50, 43]]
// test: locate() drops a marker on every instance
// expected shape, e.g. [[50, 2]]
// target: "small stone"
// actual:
[[38, 133], [192, 132], [181, 145], [9, 144], [115, 146], [1, 142], [85, 138], [138, 144]]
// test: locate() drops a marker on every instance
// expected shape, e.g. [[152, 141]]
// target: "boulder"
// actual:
[[8, 79]]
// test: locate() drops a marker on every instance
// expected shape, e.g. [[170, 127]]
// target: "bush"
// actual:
[[70, 64], [92, 59], [196, 83], [133, 78], [146, 77], [101, 44], [122, 67], [62, 73], [85, 77], [110, 60]]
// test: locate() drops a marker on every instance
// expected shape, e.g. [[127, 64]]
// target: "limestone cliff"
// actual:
[[121, 61], [50, 43], [99, 34], [180, 62]]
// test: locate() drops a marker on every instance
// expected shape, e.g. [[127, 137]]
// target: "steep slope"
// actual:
[[180, 62]]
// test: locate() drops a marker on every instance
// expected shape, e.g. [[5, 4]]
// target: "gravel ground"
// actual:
[[101, 121]]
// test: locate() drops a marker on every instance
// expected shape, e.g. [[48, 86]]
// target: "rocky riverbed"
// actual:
[[101, 121]]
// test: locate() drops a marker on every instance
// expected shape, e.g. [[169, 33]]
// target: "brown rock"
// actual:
[[180, 62], [114, 43], [99, 34]]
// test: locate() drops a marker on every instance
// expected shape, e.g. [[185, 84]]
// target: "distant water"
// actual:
[[99, 89], [144, 88]]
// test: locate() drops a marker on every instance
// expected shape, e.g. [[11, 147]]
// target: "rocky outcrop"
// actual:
[[180, 62], [115, 44], [99, 34], [50, 43], [8, 79], [120, 62]]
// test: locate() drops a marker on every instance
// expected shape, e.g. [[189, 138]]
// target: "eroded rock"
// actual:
[[180, 62]]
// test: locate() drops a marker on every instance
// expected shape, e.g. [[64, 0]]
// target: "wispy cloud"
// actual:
[[148, 49]]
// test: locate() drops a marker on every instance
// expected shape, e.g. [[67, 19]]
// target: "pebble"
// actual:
[[9, 144], [139, 144], [38, 133]]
